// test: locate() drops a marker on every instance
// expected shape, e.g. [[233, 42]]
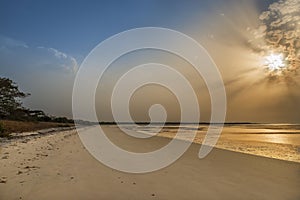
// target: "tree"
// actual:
[[10, 97]]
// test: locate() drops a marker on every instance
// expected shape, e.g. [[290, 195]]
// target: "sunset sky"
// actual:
[[255, 44]]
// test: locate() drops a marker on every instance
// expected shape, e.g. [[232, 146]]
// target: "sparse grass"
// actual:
[[8, 126]]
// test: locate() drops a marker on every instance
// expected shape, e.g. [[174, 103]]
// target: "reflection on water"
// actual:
[[281, 141], [292, 139]]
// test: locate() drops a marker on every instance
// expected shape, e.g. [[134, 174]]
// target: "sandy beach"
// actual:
[[197, 100], [57, 166]]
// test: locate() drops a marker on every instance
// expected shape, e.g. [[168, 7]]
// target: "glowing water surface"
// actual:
[[280, 141]]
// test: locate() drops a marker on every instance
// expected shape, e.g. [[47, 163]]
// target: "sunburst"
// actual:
[[275, 62]]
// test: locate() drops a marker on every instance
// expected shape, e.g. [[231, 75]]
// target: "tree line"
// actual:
[[11, 107]]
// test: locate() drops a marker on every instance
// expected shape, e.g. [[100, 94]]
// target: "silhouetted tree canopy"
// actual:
[[11, 106], [10, 97]]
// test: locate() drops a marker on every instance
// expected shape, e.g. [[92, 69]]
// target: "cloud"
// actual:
[[69, 63], [19, 56], [6, 42], [241, 41], [57, 53], [46, 73], [279, 32]]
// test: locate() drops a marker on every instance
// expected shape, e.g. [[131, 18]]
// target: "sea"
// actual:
[[278, 141]]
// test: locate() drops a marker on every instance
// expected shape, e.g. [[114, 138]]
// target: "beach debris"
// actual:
[[31, 167], [25, 140], [42, 154], [19, 172], [3, 179]]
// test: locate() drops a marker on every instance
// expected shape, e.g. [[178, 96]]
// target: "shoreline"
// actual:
[[26, 136], [261, 141]]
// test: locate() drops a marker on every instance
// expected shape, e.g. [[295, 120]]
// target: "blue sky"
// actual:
[[42, 44], [75, 27]]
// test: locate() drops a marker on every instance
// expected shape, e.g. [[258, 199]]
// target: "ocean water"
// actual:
[[280, 141]]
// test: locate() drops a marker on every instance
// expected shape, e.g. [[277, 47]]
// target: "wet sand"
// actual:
[[57, 166]]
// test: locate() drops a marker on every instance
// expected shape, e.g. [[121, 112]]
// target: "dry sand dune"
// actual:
[[57, 166]]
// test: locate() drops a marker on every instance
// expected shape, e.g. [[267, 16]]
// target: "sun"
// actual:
[[275, 62]]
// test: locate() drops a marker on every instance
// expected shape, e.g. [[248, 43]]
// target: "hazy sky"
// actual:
[[42, 44]]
